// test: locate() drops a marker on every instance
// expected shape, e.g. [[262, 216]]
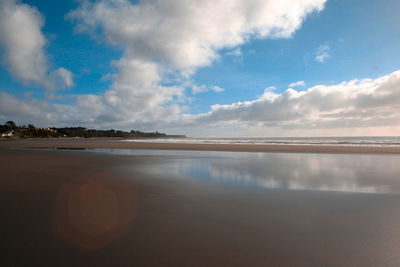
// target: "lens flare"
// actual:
[[96, 208]]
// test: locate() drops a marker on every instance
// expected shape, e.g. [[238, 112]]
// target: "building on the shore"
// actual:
[[8, 134]]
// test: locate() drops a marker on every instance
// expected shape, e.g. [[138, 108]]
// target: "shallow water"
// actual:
[[283, 171]]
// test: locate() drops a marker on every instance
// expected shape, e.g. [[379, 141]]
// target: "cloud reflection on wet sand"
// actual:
[[293, 171]]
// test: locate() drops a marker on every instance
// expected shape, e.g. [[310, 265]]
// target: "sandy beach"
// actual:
[[118, 144], [68, 207]]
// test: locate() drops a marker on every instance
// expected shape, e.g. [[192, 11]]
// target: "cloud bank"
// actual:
[[357, 103], [23, 43], [353, 107]]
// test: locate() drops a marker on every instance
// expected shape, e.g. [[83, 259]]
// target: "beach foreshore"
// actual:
[[121, 144], [68, 208]]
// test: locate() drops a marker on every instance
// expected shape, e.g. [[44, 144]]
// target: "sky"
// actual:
[[204, 68]]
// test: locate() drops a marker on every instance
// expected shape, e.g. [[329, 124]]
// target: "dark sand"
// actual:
[[63, 208]]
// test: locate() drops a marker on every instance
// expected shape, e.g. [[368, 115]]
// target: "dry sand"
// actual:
[[64, 208]]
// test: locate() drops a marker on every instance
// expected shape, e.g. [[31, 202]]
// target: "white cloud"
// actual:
[[218, 89], [357, 107], [165, 40], [188, 34], [236, 52], [61, 78], [322, 53], [137, 88], [196, 89], [29, 110], [66, 77], [23, 44], [296, 84]]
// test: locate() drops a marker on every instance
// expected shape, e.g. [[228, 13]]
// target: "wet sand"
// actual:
[[63, 208], [118, 144]]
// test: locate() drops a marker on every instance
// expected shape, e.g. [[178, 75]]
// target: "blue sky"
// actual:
[[363, 37], [109, 64]]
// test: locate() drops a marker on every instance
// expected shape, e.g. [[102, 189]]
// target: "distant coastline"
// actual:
[[11, 131]]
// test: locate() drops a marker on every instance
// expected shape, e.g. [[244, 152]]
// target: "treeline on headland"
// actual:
[[10, 129]]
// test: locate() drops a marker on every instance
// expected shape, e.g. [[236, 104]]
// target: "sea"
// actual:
[[334, 141]]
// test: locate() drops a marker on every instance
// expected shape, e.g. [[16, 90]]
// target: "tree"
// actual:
[[11, 125]]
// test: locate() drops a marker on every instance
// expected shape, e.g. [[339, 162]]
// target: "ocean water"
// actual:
[[337, 141]]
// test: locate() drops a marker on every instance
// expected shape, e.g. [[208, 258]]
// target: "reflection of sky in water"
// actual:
[[293, 171]]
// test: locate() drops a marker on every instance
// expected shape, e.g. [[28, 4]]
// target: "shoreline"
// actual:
[[114, 144]]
